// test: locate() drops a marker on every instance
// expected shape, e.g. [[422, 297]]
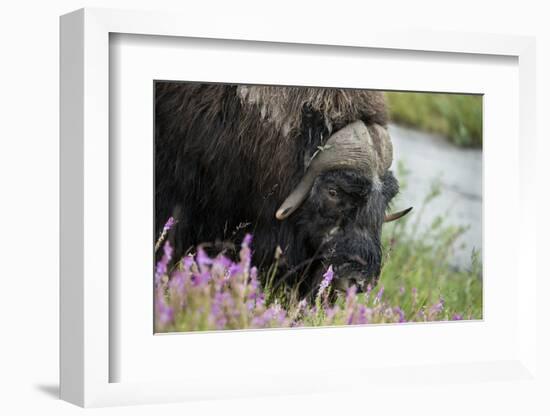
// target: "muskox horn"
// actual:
[[352, 147], [397, 215]]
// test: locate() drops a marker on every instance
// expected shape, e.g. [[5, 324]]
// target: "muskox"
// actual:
[[305, 170]]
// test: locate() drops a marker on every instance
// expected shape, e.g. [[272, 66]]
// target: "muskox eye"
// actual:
[[333, 192]]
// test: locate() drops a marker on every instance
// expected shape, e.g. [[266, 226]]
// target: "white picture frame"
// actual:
[[86, 306]]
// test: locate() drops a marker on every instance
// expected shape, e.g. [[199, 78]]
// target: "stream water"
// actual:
[[431, 159]]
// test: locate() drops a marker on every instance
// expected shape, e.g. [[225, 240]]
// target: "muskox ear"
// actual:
[[397, 215]]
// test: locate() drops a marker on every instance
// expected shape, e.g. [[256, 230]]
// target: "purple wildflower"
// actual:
[[188, 262], [379, 295], [203, 260], [222, 262], [327, 279], [281, 317], [217, 293], [162, 265], [164, 314], [201, 279], [177, 282], [368, 292], [253, 285], [235, 269], [220, 302], [400, 313], [437, 308], [264, 320], [247, 240], [246, 253], [250, 305], [351, 294], [260, 300], [275, 315], [362, 315], [330, 313], [169, 224]]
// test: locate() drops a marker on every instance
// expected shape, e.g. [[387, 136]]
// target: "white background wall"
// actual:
[[29, 177]]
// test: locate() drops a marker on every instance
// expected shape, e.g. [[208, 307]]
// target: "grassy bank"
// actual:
[[458, 117]]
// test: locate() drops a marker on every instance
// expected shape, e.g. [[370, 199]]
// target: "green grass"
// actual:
[[418, 283], [422, 261], [417, 273], [458, 117]]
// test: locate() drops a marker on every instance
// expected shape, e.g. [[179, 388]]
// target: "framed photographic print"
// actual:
[[251, 214], [302, 238]]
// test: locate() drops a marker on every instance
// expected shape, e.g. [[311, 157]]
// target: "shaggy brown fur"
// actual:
[[229, 155]]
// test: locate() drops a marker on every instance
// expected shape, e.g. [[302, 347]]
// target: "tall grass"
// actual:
[[417, 284], [458, 117]]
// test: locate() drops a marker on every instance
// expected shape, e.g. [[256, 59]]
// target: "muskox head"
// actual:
[[340, 203]]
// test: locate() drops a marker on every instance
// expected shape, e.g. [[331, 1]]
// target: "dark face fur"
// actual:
[[341, 222]]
